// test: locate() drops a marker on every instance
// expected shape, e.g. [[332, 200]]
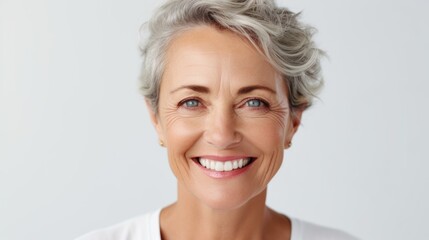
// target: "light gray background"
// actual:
[[77, 151]]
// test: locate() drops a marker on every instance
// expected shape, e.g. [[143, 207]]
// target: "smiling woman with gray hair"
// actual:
[[226, 83]]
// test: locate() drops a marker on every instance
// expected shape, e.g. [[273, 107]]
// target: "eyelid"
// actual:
[[183, 101], [264, 102]]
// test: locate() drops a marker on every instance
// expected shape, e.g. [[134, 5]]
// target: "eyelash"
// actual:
[[184, 101], [264, 104]]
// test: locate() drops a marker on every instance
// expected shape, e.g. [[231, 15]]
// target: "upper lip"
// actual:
[[223, 158]]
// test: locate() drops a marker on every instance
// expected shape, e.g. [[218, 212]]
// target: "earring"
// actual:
[[161, 143], [289, 145]]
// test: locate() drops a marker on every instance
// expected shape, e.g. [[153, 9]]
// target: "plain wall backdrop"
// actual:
[[77, 150]]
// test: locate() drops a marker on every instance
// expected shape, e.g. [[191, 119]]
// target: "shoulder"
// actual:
[[302, 230], [143, 227]]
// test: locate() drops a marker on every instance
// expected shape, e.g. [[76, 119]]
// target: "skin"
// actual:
[[219, 96]]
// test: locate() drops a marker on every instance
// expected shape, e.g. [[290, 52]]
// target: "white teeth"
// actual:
[[235, 164], [227, 166], [212, 164], [219, 166], [245, 161], [203, 162], [224, 166]]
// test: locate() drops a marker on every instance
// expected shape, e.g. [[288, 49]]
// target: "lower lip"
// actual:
[[221, 175]]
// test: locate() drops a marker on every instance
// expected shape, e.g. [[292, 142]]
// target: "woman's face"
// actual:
[[223, 116]]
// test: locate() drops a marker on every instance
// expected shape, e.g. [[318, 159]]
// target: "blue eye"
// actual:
[[255, 103], [192, 103]]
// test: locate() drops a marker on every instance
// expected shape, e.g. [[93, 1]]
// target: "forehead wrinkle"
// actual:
[[232, 61], [195, 73], [225, 76], [201, 60]]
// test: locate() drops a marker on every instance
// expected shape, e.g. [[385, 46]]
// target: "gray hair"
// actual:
[[275, 32]]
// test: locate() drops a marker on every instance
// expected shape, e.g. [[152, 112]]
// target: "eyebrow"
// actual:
[[196, 88], [249, 89], [241, 91]]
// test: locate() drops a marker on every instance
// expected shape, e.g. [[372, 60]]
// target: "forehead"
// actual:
[[208, 52]]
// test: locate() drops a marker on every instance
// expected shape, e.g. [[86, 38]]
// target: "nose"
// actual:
[[221, 129]]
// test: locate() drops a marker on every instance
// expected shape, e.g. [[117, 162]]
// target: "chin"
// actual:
[[229, 200]]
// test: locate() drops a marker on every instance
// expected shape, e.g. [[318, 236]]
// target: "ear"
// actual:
[[154, 118], [295, 119]]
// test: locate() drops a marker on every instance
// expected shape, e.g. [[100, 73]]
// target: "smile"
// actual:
[[225, 166]]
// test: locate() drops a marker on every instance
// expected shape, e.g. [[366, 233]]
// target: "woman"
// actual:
[[226, 83]]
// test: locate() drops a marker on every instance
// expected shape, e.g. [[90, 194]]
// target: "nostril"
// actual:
[[223, 140], [221, 129]]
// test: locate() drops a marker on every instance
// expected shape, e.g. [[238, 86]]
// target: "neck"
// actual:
[[190, 219]]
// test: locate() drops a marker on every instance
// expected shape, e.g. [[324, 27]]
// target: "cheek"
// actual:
[[181, 135], [268, 136], [179, 138], [267, 133], [269, 139]]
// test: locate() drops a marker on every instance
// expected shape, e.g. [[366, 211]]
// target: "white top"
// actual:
[[146, 227]]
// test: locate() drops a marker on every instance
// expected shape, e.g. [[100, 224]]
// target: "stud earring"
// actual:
[[161, 143], [289, 145]]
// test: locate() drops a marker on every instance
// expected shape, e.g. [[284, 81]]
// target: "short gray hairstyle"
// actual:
[[275, 31]]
